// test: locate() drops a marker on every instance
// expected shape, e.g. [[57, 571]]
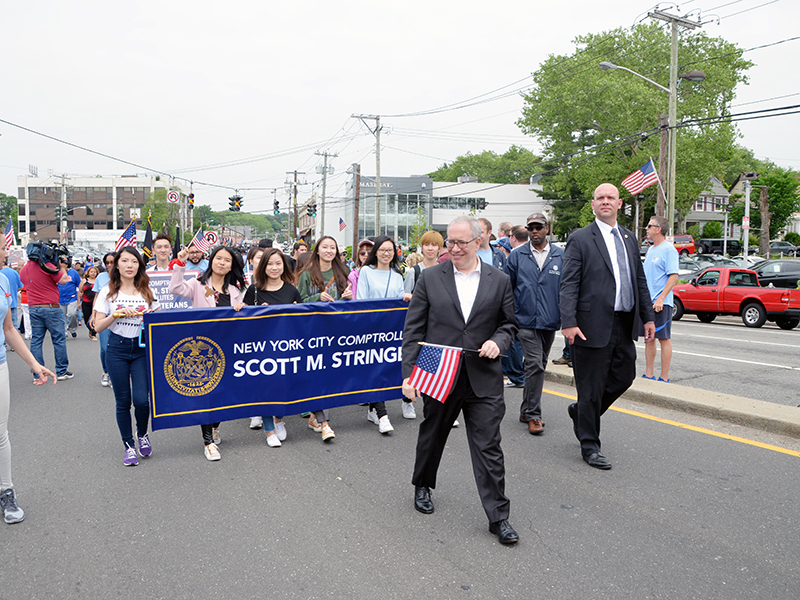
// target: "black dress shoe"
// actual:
[[504, 532], [598, 461], [422, 500], [572, 411]]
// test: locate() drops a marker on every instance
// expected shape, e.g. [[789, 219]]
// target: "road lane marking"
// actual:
[[724, 339], [740, 360], [711, 432]]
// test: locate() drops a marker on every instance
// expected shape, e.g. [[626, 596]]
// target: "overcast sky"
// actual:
[[175, 85]]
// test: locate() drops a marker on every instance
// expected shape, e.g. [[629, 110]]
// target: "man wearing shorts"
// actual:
[[661, 271]]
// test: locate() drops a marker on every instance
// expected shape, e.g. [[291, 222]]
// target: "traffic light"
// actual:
[[232, 202], [191, 201], [310, 210], [239, 203], [313, 210], [276, 207], [235, 202]]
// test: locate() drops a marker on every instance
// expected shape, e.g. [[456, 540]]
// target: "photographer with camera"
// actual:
[[41, 278]]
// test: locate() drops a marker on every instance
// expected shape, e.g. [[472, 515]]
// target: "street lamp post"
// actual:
[[671, 123]]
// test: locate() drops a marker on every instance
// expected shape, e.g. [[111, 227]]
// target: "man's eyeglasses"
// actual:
[[460, 243], [535, 226], [649, 225]]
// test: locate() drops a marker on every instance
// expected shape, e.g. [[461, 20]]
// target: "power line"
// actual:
[[748, 9]]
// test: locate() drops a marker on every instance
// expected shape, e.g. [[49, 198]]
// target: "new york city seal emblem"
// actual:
[[194, 366]]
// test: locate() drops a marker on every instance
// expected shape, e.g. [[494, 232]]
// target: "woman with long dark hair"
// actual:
[[87, 299], [102, 280], [119, 307], [381, 277], [324, 279], [220, 285], [273, 283]]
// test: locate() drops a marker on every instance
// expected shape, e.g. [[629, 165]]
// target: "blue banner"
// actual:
[[159, 285], [209, 365]]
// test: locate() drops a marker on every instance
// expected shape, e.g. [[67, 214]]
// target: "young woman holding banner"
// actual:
[[380, 277], [119, 307], [324, 279], [273, 283], [220, 285]]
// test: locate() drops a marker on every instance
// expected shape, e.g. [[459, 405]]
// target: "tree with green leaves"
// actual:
[[8, 208], [516, 165], [712, 229], [783, 198], [419, 227], [599, 126]]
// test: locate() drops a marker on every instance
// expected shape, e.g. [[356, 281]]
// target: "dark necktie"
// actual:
[[626, 290]]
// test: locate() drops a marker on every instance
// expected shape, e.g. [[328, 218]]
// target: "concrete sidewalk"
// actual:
[[775, 418]]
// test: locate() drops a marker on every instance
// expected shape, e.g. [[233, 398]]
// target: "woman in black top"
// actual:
[[273, 283]]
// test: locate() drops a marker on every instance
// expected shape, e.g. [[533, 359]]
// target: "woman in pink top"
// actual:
[[220, 285]]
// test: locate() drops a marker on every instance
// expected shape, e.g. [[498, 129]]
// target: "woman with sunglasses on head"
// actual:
[[364, 248], [273, 283], [220, 285], [119, 307], [100, 282], [381, 278], [87, 298], [324, 279]]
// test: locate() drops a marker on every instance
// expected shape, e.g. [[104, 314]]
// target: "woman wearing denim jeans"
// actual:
[[102, 281], [119, 307]]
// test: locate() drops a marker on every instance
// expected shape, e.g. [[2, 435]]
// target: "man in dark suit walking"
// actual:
[[604, 300], [467, 304]]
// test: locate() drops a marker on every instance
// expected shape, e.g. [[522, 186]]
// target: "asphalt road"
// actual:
[[725, 356], [683, 514]]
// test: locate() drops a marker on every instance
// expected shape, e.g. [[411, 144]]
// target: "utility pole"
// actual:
[[293, 186], [64, 213], [377, 133], [748, 177], [663, 162], [325, 155], [675, 22], [357, 171]]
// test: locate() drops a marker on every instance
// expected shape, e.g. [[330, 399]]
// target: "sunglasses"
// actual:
[[363, 253], [535, 226]]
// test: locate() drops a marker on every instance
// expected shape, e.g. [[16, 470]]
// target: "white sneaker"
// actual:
[[272, 440], [327, 433], [314, 424], [384, 426], [280, 430], [372, 415], [455, 423], [212, 452], [256, 422], [215, 436], [105, 380], [409, 412]]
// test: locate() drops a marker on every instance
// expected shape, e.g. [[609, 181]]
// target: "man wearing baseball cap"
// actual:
[[535, 272]]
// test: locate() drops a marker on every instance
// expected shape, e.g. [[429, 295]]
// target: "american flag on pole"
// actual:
[[435, 371], [200, 242], [342, 224], [10, 239], [128, 237], [640, 179]]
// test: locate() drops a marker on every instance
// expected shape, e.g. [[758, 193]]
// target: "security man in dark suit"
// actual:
[[468, 304], [604, 300]]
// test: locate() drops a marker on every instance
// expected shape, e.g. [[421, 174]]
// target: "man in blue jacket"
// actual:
[[535, 272]]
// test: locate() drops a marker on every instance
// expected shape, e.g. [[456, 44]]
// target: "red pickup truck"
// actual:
[[731, 291]]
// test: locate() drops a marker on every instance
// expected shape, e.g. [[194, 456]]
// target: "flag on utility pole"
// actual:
[[147, 250]]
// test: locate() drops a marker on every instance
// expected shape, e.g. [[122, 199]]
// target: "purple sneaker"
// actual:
[[145, 449], [130, 459]]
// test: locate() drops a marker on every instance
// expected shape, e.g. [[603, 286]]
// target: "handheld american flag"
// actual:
[[10, 239], [435, 371], [640, 179], [200, 242], [128, 237]]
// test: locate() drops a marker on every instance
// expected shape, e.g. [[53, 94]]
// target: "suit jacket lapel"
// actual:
[[449, 283], [484, 287], [601, 246]]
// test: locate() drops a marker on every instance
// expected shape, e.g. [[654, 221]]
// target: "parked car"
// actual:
[[712, 260], [734, 291], [785, 248], [645, 247], [684, 244], [747, 262], [780, 273], [687, 267], [718, 245]]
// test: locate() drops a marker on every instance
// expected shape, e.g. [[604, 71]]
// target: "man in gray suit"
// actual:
[[467, 304], [604, 301]]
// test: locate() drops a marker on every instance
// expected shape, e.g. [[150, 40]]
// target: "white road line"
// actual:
[[709, 337], [740, 360]]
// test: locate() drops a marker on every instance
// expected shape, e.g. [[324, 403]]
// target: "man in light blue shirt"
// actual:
[[661, 271]]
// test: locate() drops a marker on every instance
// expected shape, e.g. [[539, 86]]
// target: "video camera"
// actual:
[[52, 253]]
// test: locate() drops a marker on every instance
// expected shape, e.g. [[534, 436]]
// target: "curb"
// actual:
[[774, 418]]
